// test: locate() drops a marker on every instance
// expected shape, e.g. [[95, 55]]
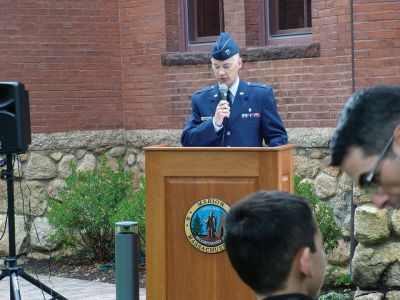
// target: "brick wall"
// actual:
[[146, 94], [310, 92], [93, 65], [377, 42], [172, 25], [67, 54], [252, 19]]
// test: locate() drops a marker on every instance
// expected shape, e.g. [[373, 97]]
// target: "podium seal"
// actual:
[[204, 225]]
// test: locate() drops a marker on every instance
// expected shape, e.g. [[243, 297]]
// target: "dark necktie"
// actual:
[[229, 98]]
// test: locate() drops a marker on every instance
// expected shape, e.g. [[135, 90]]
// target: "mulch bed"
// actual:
[[75, 267]]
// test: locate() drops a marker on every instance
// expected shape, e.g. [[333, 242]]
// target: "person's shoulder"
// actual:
[[256, 88], [257, 85], [204, 90]]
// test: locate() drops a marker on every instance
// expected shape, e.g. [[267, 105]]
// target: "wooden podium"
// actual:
[[176, 178]]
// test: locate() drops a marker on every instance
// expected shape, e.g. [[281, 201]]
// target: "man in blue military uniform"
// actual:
[[245, 119]]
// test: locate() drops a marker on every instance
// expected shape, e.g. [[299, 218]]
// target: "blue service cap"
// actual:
[[224, 47]]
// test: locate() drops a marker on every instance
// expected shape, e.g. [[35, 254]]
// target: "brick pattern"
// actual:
[[93, 65], [310, 92], [252, 21], [172, 25], [146, 93], [377, 42], [234, 17], [67, 54]]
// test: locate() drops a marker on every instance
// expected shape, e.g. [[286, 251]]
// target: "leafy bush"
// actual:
[[346, 295], [90, 204], [324, 214], [134, 210], [337, 277]]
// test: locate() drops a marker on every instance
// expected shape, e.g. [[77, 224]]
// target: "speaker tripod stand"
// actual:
[[11, 269]]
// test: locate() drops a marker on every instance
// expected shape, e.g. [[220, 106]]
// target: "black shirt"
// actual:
[[289, 297]]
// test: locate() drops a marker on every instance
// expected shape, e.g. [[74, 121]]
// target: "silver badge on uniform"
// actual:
[[205, 118]]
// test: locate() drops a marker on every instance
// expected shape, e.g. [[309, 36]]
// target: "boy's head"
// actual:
[[274, 244]]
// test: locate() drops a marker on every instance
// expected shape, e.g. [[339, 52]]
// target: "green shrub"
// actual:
[[324, 214], [345, 295], [337, 277], [134, 210], [90, 203]]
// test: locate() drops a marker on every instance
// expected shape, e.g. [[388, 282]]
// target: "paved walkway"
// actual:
[[73, 289]]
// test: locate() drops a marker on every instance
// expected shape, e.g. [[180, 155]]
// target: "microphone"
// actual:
[[223, 89]]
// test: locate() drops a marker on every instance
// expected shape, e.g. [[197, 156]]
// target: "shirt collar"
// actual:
[[234, 87]]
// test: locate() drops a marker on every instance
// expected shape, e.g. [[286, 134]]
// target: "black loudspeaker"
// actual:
[[15, 125]]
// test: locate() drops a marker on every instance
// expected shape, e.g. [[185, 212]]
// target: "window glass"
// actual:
[[289, 17], [205, 20]]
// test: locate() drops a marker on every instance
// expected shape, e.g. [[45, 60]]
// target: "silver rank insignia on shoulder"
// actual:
[[216, 95], [205, 118], [241, 93], [249, 109]]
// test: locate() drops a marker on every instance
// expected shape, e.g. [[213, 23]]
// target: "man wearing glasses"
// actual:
[[366, 144]]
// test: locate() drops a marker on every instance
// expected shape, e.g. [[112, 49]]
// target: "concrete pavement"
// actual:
[[73, 289]]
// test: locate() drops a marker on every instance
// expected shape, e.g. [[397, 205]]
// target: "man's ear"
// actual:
[[396, 139], [396, 134], [240, 62], [305, 262]]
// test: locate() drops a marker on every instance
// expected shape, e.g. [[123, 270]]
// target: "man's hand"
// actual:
[[223, 111]]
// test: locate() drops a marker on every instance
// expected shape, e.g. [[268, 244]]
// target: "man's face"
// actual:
[[226, 71], [387, 177]]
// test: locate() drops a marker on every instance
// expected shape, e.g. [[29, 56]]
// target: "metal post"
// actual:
[[11, 260], [126, 260]]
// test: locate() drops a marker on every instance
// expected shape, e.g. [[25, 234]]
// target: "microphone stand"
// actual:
[[10, 261], [225, 123]]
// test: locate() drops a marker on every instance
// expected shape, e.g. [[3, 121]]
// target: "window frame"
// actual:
[[284, 37], [186, 31]]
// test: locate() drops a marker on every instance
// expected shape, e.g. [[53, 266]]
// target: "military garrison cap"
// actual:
[[224, 47]]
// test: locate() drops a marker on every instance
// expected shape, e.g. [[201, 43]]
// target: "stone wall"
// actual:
[[45, 166]]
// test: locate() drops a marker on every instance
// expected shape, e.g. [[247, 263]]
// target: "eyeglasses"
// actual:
[[368, 180]]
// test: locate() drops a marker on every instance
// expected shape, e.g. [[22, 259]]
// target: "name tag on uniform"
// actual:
[[250, 115], [205, 118]]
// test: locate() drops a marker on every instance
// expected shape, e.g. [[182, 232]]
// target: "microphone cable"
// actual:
[[28, 228]]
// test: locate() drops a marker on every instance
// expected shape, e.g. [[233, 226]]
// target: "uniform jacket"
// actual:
[[253, 118]]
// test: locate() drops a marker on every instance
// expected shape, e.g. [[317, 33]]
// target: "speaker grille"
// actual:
[[15, 131]]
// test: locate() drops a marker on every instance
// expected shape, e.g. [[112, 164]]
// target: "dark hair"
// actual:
[[263, 234], [367, 121]]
